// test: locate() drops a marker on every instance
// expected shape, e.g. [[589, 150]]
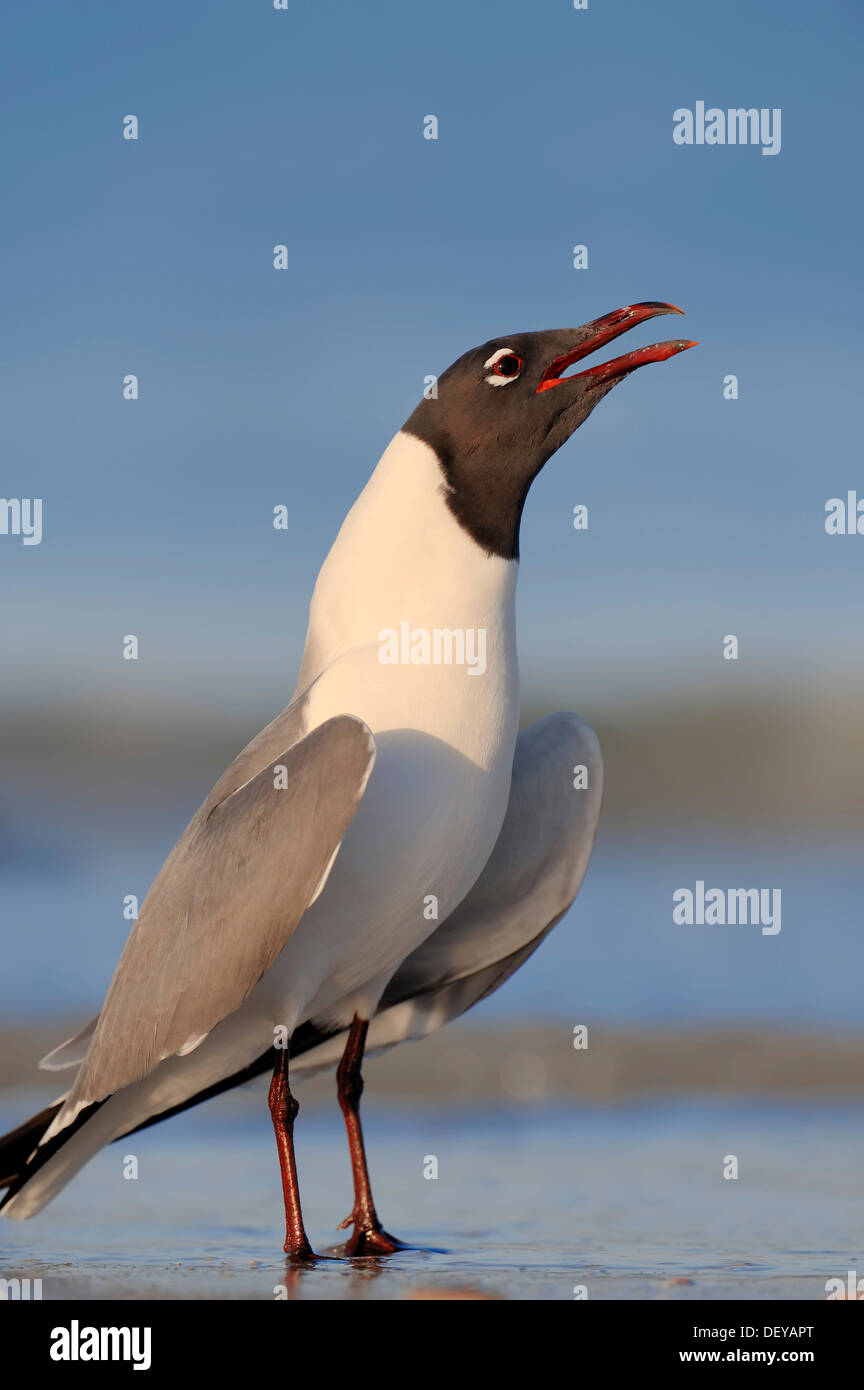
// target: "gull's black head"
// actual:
[[504, 408]]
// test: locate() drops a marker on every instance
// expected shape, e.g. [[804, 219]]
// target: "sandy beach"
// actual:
[[469, 1063], [553, 1202]]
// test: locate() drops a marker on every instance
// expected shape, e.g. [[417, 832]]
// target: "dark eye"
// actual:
[[503, 367], [508, 365]]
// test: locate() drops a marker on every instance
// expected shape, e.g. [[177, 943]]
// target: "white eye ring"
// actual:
[[494, 378]]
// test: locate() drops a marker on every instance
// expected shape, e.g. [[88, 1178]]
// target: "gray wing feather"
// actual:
[[228, 898], [535, 869], [527, 886], [275, 739], [72, 1052]]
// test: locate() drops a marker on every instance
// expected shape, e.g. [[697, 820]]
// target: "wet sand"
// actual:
[[531, 1201], [558, 1170]]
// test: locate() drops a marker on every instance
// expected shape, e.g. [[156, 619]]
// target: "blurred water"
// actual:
[[617, 957], [528, 1203]]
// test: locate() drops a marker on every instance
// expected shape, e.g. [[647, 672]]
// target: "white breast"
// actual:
[[438, 794]]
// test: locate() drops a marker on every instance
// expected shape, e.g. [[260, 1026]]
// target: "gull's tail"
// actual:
[[17, 1146], [34, 1169]]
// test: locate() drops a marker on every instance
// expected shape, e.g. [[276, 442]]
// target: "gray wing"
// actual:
[[529, 882], [228, 897], [278, 736]]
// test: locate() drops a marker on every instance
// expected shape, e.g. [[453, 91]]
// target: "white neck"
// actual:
[[402, 555]]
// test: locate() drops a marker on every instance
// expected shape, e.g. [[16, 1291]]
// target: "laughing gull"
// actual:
[[374, 860]]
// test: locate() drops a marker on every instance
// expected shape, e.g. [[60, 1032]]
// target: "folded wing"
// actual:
[[528, 884], [226, 901]]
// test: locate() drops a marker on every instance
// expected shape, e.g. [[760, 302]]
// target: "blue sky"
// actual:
[[304, 127]]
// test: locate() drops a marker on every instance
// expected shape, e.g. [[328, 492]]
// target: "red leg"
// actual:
[[368, 1238], [283, 1112]]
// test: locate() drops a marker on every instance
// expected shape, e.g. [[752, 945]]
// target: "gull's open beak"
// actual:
[[603, 331]]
